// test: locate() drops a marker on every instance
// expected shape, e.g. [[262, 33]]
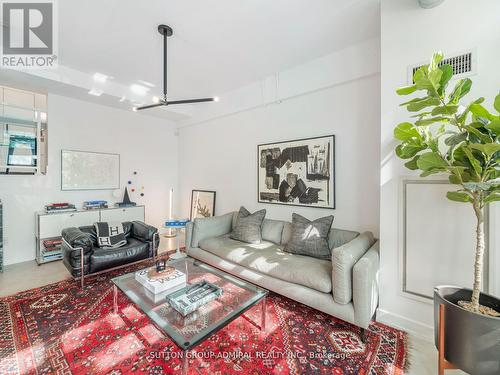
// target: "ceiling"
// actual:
[[217, 46]]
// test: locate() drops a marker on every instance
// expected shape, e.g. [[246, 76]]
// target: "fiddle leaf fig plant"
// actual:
[[461, 141]]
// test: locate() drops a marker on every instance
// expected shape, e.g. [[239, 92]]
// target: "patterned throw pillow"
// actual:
[[310, 237], [248, 227]]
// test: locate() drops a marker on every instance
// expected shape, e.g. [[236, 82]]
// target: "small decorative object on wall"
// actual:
[[135, 187], [202, 203], [297, 173]]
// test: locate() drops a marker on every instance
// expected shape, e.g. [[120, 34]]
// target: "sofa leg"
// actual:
[[362, 335], [81, 268]]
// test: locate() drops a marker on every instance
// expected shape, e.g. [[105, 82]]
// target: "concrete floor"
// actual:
[[28, 275]]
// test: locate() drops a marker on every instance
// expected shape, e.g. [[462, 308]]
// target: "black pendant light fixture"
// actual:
[[167, 31]]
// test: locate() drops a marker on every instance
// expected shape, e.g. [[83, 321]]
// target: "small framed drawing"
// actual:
[[202, 203], [297, 173]]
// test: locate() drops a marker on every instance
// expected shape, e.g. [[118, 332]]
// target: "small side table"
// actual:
[[177, 225]]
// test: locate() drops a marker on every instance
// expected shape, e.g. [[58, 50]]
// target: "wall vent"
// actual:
[[463, 65]]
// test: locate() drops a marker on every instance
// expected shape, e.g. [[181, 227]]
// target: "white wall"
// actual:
[[409, 35], [220, 153], [146, 144]]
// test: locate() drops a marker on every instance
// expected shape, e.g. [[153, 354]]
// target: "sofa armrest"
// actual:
[[146, 233], [189, 235], [365, 286], [344, 259], [210, 227], [74, 239]]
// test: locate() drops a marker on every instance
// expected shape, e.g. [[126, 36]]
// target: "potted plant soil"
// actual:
[[462, 142]]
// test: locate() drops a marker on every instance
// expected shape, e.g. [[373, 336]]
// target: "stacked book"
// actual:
[[160, 284], [94, 205], [51, 249], [59, 207]]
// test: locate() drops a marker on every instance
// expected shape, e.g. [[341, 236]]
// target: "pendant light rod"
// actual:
[[166, 31]]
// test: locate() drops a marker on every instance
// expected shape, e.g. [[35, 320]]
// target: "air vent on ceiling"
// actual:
[[463, 65]]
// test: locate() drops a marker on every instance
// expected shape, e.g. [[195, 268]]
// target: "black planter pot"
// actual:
[[472, 341]]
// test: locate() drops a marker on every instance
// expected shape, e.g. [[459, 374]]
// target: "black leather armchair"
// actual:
[[83, 257]]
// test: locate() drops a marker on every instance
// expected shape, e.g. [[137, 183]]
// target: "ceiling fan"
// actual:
[[167, 31]]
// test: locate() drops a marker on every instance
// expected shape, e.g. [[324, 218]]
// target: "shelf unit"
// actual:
[[50, 225]]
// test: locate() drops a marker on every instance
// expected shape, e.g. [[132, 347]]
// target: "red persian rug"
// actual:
[[62, 329]]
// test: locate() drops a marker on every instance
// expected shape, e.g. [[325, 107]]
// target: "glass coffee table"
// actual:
[[187, 332]]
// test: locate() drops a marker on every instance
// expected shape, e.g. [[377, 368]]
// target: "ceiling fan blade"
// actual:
[[150, 106], [189, 101]]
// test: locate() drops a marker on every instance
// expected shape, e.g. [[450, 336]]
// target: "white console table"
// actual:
[[50, 226]]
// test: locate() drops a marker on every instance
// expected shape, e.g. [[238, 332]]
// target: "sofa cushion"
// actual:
[[343, 260], [248, 226], [210, 227], [269, 259], [134, 250], [310, 237], [272, 230]]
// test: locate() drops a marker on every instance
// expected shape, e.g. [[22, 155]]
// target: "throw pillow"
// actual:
[[310, 237], [110, 235], [248, 227]]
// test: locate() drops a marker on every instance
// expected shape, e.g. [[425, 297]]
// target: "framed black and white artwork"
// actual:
[[202, 204], [298, 173]]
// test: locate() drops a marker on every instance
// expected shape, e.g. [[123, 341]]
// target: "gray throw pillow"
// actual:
[[248, 227], [310, 237]]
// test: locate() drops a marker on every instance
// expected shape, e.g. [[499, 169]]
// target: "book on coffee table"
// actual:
[[160, 284]]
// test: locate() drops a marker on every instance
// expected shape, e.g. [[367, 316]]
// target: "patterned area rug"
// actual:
[[61, 329]]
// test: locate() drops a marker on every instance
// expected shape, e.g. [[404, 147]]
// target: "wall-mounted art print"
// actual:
[[298, 173], [202, 204]]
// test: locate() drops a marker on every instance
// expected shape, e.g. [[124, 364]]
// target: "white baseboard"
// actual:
[[417, 329]]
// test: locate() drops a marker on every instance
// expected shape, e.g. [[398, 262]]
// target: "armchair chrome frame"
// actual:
[[82, 265]]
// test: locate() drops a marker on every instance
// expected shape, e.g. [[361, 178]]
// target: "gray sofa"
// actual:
[[345, 287]]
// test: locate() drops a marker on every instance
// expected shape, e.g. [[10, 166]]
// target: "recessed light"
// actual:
[[156, 99], [139, 89], [134, 109], [101, 78], [216, 99], [96, 92]]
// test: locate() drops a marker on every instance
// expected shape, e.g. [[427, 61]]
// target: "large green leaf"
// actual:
[[406, 90], [407, 150], [496, 103], [461, 89], [436, 58], [422, 80], [445, 78], [405, 131], [415, 106], [458, 196], [485, 138], [412, 164], [435, 77], [431, 160], [445, 110], [454, 179], [455, 139], [479, 111], [430, 121], [494, 126], [488, 149], [476, 164]]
